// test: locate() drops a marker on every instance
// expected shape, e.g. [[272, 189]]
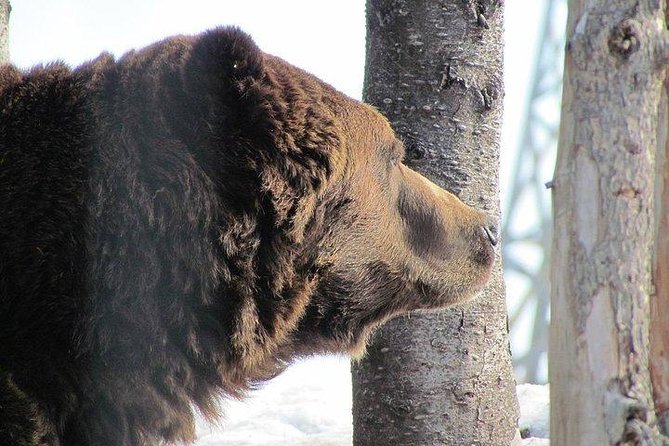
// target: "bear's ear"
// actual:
[[222, 59]]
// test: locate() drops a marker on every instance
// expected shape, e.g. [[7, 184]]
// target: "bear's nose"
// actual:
[[492, 231]]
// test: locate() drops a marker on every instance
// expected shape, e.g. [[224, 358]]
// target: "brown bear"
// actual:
[[181, 223]]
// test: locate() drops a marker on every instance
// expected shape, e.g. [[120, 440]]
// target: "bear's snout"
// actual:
[[438, 223]]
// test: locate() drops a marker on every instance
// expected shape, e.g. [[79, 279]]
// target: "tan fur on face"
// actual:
[[410, 245], [368, 150]]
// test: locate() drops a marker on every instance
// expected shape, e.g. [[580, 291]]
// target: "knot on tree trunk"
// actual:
[[625, 39], [638, 433]]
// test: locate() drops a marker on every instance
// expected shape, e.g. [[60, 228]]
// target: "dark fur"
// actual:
[[171, 229]]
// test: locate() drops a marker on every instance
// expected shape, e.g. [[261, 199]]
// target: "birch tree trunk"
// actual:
[[603, 234], [435, 70], [4, 31]]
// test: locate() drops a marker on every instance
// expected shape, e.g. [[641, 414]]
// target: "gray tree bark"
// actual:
[[4, 31], [659, 302], [604, 220], [434, 68]]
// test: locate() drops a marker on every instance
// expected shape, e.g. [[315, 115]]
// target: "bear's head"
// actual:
[[391, 241], [348, 236]]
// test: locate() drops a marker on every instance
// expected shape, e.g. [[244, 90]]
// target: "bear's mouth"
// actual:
[[344, 310]]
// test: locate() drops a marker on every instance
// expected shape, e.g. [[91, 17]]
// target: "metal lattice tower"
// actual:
[[527, 229]]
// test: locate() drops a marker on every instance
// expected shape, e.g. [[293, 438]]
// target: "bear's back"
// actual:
[[45, 145]]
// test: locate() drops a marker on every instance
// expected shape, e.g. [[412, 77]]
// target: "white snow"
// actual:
[[534, 413], [310, 405]]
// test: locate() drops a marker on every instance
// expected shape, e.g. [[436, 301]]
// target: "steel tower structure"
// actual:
[[527, 230]]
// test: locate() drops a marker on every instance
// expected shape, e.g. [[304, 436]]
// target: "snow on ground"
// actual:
[[310, 405], [534, 414]]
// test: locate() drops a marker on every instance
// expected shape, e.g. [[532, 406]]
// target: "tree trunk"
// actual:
[[603, 224], [435, 70], [659, 303], [4, 31]]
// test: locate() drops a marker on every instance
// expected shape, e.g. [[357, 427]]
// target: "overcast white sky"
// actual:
[[324, 37]]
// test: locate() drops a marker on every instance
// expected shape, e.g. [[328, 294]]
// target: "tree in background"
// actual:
[[435, 70], [659, 303], [605, 213], [4, 31]]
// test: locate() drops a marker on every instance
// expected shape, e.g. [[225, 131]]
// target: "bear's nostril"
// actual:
[[492, 232]]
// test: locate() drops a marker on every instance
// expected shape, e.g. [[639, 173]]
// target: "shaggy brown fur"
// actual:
[[184, 221]]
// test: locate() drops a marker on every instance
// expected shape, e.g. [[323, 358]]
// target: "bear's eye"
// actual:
[[395, 159], [394, 153], [397, 156]]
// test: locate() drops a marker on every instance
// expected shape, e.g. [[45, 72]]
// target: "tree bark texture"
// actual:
[[603, 236], [434, 68], [4, 31], [659, 303]]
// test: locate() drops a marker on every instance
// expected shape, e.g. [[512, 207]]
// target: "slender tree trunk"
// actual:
[[603, 224], [4, 31], [435, 69], [659, 303]]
